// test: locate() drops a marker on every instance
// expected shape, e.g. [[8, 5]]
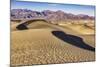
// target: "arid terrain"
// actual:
[[40, 42]]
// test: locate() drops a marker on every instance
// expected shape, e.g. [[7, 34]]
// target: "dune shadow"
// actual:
[[22, 27], [73, 40]]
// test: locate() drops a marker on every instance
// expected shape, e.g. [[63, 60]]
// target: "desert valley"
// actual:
[[51, 37]]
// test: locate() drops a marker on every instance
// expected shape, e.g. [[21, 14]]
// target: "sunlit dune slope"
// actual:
[[39, 46], [80, 28]]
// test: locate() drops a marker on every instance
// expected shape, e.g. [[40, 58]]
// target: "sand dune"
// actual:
[[80, 28], [39, 45], [35, 25]]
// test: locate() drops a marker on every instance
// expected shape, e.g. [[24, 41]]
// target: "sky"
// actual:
[[68, 8]]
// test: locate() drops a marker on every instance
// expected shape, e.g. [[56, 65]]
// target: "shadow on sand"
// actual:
[[73, 40], [22, 27]]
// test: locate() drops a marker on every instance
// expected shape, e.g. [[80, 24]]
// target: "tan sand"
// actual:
[[80, 28], [37, 45]]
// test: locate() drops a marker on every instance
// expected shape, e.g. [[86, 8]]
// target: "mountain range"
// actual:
[[21, 14]]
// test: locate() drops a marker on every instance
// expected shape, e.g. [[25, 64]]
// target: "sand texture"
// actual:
[[40, 42]]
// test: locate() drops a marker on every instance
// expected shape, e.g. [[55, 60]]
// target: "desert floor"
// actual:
[[45, 43]]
